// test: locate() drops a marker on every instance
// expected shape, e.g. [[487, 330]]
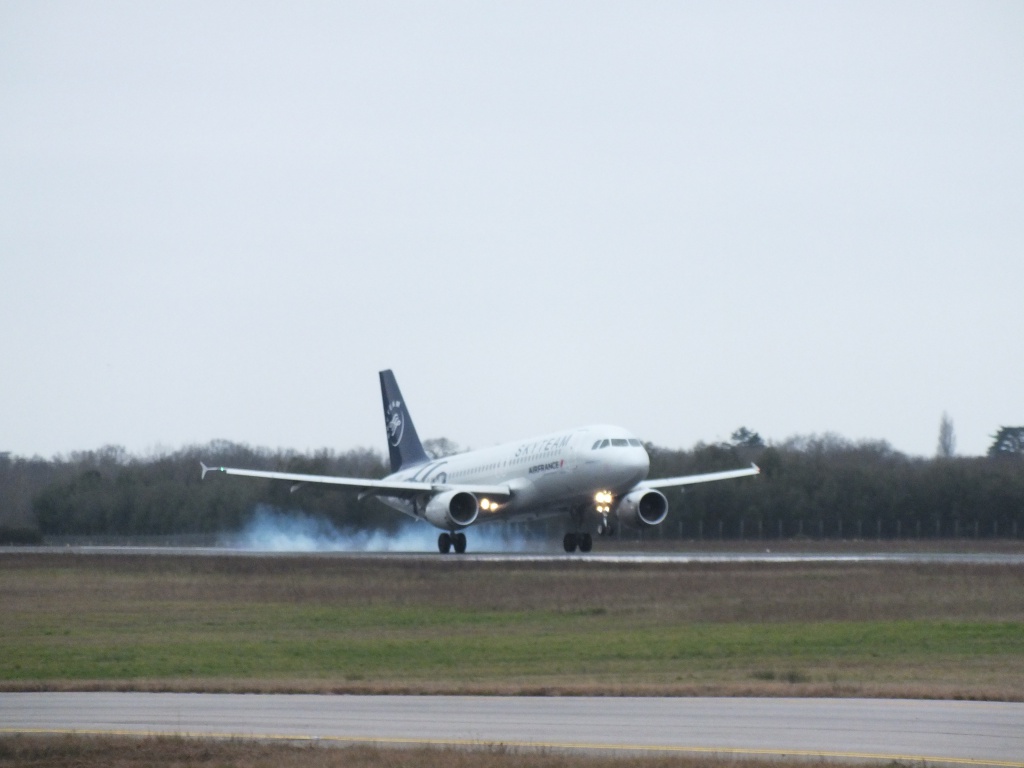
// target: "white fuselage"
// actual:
[[547, 474]]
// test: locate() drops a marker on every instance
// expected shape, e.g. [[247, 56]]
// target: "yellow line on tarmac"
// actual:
[[406, 741]]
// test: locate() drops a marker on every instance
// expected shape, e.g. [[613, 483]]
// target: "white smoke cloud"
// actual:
[[274, 530]]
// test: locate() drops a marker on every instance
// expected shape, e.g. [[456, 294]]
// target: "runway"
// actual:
[[954, 732], [609, 557]]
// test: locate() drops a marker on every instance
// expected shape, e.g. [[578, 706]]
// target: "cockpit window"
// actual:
[[604, 443], [634, 442], [595, 446], [620, 442]]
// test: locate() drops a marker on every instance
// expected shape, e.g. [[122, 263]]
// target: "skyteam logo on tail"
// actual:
[[395, 423]]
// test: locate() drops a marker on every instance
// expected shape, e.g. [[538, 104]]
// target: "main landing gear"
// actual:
[[575, 539], [446, 541], [582, 540]]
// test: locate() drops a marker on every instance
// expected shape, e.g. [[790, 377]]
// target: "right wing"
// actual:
[[365, 485], [672, 482]]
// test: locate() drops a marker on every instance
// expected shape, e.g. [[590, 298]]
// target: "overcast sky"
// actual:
[[220, 220]]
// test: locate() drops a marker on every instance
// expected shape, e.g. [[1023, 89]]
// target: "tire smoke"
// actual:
[[274, 530]]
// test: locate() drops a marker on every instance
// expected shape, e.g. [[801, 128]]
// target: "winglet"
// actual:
[[205, 470], [755, 467]]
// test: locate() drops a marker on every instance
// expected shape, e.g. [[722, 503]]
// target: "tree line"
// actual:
[[108, 491], [830, 487], [815, 486]]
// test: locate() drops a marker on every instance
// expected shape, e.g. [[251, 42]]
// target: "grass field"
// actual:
[[320, 624], [122, 752]]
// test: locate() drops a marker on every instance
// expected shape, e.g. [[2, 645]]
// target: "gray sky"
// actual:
[[220, 220]]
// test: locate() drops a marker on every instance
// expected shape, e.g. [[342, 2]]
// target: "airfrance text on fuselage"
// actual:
[[546, 467]]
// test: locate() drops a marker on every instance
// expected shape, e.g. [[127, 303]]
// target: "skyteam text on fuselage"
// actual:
[[596, 476]]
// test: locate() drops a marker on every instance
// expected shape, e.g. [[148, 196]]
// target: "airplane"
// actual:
[[599, 469]]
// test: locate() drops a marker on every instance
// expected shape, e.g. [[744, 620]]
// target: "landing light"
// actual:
[[603, 497]]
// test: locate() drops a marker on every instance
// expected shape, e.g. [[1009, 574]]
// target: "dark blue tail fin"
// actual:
[[403, 442]]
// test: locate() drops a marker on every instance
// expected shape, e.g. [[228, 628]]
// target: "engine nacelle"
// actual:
[[642, 507], [452, 509]]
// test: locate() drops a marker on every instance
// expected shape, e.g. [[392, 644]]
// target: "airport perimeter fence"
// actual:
[[860, 529], [755, 529]]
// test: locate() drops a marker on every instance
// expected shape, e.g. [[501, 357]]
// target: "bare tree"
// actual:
[[439, 447], [947, 438]]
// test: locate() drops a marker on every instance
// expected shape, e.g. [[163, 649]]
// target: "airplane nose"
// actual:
[[643, 461], [638, 465]]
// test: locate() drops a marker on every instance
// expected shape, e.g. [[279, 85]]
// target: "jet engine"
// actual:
[[452, 509], [642, 507]]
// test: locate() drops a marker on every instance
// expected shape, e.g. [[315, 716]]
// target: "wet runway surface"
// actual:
[[965, 733]]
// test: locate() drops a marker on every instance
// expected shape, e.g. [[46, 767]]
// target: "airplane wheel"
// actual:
[[569, 542], [459, 542], [444, 543], [586, 542]]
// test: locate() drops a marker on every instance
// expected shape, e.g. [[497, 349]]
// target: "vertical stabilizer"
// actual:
[[403, 442]]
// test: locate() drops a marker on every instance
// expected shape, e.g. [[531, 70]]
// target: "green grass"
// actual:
[[540, 647], [201, 624], [261, 641]]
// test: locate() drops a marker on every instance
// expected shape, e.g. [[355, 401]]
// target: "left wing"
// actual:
[[365, 485], [672, 482]]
